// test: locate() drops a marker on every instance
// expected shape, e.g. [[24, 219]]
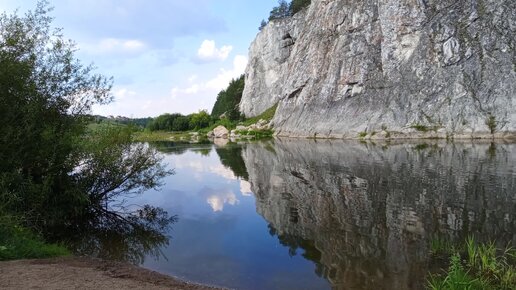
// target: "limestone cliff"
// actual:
[[341, 67]]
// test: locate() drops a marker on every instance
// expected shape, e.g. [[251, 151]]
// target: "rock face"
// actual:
[[342, 67], [366, 215]]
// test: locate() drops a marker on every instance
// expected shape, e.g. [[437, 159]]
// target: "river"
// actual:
[[307, 214]]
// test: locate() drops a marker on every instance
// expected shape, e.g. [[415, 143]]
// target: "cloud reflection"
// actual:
[[245, 188], [217, 201]]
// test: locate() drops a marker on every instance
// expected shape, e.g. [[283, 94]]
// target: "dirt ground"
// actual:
[[84, 273]]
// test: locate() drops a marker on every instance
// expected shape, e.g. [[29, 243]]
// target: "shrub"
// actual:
[[491, 123]]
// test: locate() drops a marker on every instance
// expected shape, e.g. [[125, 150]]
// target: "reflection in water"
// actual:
[[128, 237], [231, 157], [365, 215], [217, 198]]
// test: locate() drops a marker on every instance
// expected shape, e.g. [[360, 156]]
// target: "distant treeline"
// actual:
[[178, 122], [139, 122]]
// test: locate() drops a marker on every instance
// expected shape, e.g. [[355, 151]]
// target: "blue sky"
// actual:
[[164, 55]]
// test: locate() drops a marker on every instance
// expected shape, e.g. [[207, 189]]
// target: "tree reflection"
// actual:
[[127, 237], [231, 157]]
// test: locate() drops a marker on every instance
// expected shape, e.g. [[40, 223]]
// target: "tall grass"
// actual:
[[477, 266], [17, 242]]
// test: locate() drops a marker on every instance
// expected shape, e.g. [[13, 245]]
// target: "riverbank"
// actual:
[[85, 273]]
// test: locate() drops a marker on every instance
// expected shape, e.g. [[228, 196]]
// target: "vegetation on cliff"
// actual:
[[285, 9]]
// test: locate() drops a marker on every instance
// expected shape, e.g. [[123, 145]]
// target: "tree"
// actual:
[[228, 100], [50, 172], [200, 120], [298, 5], [262, 25], [280, 11]]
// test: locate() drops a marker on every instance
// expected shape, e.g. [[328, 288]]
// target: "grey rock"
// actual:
[[344, 67], [220, 132]]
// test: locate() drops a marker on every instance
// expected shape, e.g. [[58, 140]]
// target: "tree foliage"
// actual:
[[52, 172], [262, 25], [179, 123], [298, 5], [200, 120], [280, 11], [228, 100], [285, 9]]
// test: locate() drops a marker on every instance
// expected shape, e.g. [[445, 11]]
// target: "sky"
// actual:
[[165, 56]]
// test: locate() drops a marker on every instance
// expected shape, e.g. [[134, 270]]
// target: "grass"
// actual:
[[439, 246], [257, 134], [148, 136], [267, 116], [475, 266], [420, 128], [362, 134], [17, 242], [94, 126]]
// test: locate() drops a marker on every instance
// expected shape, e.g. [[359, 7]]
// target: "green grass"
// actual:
[[440, 246], [17, 242], [267, 116], [362, 134], [420, 128], [257, 134], [94, 126], [148, 136], [475, 266]]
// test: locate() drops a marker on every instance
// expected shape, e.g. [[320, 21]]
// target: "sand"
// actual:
[[84, 273]]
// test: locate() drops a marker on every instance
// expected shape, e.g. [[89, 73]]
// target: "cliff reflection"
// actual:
[[365, 214]]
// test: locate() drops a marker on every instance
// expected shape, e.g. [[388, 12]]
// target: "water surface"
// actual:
[[298, 214]]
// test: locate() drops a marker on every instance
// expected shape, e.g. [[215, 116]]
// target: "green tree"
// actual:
[[228, 100], [200, 120], [262, 25], [280, 11], [298, 5], [50, 172]]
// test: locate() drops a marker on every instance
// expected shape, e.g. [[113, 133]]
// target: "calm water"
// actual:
[[294, 214]]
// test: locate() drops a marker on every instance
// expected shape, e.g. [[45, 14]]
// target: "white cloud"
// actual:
[[224, 76], [209, 51], [214, 85], [123, 93], [112, 45], [194, 93]]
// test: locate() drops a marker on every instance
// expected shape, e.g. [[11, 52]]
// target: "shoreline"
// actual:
[[86, 273], [395, 135]]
